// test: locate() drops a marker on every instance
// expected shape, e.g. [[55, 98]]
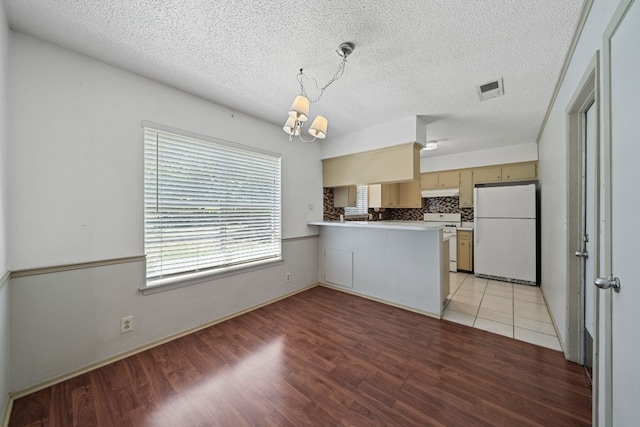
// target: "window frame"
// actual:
[[359, 210], [200, 274]]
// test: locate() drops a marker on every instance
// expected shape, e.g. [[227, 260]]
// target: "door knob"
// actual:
[[581, 254], [608, 282]]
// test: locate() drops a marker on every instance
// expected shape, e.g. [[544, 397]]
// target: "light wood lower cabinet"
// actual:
[[465, 250]]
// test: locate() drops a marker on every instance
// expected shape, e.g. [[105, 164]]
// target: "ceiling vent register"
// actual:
[[490, 90]]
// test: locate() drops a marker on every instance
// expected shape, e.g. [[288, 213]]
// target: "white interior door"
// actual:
[[622, 144]]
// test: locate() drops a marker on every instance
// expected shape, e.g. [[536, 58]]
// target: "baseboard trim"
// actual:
[[4, 280], [75, 373], [382, 301], [553, 322]]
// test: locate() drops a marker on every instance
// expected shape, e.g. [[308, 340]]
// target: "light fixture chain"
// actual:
[[336, 76], [299, 112]]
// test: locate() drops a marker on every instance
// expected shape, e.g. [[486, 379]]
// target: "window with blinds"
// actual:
[[362, 203], [209, 204]]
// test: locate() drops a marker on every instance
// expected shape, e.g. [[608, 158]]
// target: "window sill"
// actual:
[[162, 285]]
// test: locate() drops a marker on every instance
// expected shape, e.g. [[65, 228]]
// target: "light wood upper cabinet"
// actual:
[[466, 189], [439, 180], [409, 195], [429, 181], [383, 195], [345, 196], [488, 174], [519, 172], [449, 179], [509, 172]]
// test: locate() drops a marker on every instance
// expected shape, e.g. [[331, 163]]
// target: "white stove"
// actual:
[[451, 223]]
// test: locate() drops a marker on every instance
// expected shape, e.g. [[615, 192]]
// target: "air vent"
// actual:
[[490, 90]]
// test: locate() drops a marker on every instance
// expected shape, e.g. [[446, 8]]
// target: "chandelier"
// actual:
[[299, 111]]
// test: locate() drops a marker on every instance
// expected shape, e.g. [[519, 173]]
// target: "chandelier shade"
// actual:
[[318, 128], [300, 108], [291, 127]]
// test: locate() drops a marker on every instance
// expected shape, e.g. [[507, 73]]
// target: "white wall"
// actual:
[[552, 167], [409, 129], [472, 159], [76, 195], [4, 288]]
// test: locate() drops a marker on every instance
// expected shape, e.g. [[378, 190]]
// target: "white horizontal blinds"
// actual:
[[362, 203], [208, 205]]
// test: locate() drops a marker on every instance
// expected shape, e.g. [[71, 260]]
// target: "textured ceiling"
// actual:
[[412, 57]]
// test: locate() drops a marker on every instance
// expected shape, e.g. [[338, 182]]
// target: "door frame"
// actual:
[[586, 95]]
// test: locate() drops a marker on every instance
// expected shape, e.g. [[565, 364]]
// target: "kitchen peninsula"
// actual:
[[402, 263]]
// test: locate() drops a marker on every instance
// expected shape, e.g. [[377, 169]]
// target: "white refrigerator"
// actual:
[[505, 233]]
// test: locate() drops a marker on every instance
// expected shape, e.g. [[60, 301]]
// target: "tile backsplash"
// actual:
[[433, 205], [429, 205]]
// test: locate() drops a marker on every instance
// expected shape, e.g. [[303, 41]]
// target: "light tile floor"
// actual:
[[515, 311]]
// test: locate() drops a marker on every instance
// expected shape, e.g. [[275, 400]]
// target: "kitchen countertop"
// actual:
[[465, 228], [390, 225]]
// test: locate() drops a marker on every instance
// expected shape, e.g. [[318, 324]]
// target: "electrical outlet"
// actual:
[[126, 324], [288, 277]]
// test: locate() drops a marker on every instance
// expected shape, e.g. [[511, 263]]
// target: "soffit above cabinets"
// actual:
[[392, 164]]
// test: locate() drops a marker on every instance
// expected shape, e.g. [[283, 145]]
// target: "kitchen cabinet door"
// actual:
[[345, 196], [383, 195], [489, 174], [466, 189], [429, 181], [449, 179], [409, 195], [390, 195], [519, 172], [465, 250]]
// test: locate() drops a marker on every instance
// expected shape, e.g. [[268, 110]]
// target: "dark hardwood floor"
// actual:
[[324, 358]]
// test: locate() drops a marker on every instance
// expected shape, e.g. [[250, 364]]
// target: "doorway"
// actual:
[[582, 217], [589, 236]]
